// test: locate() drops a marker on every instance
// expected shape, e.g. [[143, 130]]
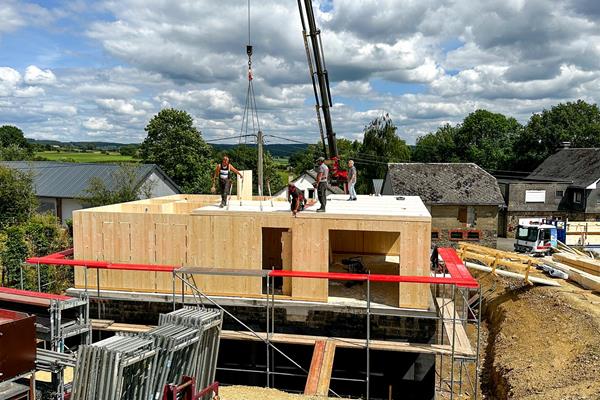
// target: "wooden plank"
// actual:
[[314, 372], [586, 264], [244, 186], [453, 326], [326, 368]]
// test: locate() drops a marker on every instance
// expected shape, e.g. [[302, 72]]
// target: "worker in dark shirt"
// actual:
[[223, 173], [296, 199]]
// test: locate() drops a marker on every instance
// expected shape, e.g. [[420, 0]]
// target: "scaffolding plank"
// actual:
[[454, 329], [316, 364], [326, 368]]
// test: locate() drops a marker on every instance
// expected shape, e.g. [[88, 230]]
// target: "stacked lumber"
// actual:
[[585, 264]]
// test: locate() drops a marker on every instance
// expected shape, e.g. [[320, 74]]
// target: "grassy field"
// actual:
[[92, 157]]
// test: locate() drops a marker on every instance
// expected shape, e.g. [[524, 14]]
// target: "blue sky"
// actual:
[[99, 70]]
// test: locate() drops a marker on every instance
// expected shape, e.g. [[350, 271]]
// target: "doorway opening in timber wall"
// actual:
[[365, 252], [277, 254]]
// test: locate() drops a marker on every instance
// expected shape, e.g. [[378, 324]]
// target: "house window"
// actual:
[[456, 235], [473, 235], [311, 193], [560, 193], [435, 234], [535, 196], [577, 197]]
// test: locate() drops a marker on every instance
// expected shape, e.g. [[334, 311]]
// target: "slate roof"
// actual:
[[443, 183], [69, 180], [579, 166]]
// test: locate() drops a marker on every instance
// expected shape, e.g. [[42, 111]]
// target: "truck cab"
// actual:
[[535, 239]]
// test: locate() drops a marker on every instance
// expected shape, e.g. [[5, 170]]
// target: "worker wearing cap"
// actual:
[[223, 172], [321, 183], [296, 199]]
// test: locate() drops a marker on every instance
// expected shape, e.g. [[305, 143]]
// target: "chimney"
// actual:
[[565, 145]]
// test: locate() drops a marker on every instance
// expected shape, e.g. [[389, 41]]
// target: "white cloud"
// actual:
[[97, 124], [29, 91], [59, 109], [124, 107], [36, 76], [9, 79], [106, 90]]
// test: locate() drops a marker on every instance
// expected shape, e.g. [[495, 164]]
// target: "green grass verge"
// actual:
[[92, 157]]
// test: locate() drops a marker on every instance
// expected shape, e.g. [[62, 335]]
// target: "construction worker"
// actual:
[[223, 173], [321, 183], [296, 199], [351, 180]]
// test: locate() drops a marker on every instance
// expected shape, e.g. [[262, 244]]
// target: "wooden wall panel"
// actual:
[[234, 240]]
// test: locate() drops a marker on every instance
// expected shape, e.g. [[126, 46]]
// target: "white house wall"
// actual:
[[68, 206]]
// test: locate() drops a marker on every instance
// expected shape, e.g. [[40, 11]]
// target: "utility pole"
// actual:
[[259, 142]]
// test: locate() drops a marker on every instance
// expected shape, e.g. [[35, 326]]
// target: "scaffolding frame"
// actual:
[[454, 281]]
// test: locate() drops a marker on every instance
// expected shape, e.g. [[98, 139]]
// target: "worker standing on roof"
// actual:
[[223, 173], [321, 183], [296, 199], [351, 180]]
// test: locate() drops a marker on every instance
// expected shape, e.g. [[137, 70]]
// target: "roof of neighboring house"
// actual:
[[70, 180], [579, 166], [444, 183], [312, 174]]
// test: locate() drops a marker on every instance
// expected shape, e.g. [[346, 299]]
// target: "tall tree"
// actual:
[[486, 139], [11, 135], [17, 197], [437, 146], [178, 148], [13, 145], [381, 145], [578, 123]]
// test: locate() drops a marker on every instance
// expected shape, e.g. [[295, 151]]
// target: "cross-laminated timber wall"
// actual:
[[187, 230]]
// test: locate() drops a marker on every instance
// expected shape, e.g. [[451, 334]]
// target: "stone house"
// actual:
[[462, 198], [565, 186]]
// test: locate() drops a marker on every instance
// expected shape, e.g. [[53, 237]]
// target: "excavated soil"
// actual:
[[251, 392], [540, 343]]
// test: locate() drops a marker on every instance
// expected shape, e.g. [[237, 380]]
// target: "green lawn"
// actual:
[[92, 157]]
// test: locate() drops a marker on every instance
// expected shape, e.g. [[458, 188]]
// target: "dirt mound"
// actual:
[[543, 343]]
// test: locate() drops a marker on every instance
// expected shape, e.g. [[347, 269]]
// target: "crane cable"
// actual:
[[250, 122]]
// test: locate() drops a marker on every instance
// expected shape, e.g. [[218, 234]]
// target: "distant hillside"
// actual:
[[276, 150]]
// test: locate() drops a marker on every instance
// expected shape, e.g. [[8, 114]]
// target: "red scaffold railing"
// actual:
[[457, 272]]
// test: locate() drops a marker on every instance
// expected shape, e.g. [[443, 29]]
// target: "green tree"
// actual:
[[437, 147], [245, 157], [17, 197], [15, 153], [127, 188], [381, 145], [178, 148], [42, 234], [304, 160], [486, 139], [576, 122], [11, 135]]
